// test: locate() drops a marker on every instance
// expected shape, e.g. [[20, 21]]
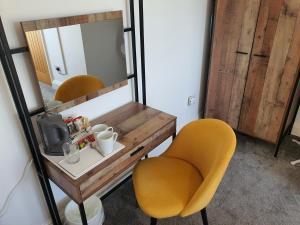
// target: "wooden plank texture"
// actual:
[[252, 95], [268, 91], [138, 126], [265, 33], [38, 56], [71, 20], [266, 26], [234, 30]]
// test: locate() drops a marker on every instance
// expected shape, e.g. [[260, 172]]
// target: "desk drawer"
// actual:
[[129, 159]]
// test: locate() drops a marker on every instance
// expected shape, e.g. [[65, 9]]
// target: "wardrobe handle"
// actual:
[[262, 56], [243, 53]]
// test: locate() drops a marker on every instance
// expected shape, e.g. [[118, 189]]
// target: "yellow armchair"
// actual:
[[184, 179], [78, 86]]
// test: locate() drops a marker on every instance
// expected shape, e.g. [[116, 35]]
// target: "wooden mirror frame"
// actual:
[[35, 25]]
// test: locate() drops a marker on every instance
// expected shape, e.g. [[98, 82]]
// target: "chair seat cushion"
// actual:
[[164, 185]]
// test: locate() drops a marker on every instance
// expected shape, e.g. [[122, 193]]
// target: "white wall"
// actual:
[[64, 49], [54, 54], [103, 43], [174, 42], [73, 50]]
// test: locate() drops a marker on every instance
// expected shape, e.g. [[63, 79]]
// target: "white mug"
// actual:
[[97, 129], [106, 141]]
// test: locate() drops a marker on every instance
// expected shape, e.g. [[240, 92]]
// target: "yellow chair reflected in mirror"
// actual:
[[78, 86], [184, 179]]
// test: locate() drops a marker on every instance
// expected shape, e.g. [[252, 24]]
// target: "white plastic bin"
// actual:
[[93, 209]]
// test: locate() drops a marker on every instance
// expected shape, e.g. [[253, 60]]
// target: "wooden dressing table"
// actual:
[[140, 129]]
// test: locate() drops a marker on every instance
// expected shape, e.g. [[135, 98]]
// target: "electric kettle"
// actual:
[[54, 133]]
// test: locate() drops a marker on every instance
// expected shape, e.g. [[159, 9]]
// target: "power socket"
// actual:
[[191, 100]]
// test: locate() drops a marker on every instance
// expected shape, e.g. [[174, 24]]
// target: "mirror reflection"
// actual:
[[76, 60]]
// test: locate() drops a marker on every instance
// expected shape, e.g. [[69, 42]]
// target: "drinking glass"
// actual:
[[71, 152]]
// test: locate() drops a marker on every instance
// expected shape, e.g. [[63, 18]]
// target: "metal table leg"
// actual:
[[204, 216], [174, 136], [82, 214]]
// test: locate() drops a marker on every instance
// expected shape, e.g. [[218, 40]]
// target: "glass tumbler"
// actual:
[[71, 152]]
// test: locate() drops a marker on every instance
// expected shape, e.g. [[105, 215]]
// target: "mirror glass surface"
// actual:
[[77, 61]]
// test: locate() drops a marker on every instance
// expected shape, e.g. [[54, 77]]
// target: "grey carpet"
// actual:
[[256, 190]]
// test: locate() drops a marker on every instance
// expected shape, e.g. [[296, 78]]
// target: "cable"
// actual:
[[11, 193]]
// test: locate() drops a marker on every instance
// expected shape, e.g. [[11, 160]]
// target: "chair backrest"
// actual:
[[208, 145], [78, 86]]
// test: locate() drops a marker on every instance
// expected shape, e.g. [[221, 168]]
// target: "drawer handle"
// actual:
[[137, 151]]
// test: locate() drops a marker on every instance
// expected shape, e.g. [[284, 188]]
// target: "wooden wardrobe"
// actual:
[[254, 65]]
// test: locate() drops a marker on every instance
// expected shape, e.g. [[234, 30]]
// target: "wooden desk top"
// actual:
[[140, 129]]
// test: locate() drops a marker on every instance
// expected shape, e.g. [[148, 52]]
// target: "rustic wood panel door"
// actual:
[[234, 31], [273, 69]]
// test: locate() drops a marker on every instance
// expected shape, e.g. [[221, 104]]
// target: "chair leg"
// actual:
[[153, 221], [204, 216], [136, 204]]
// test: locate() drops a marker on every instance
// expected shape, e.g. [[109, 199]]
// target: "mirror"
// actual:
[[77, 58]]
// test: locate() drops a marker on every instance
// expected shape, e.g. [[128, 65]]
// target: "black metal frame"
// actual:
[[82, 214], [153, 221], [204, 216], [283, 132], [25, 119], [25, 116], [142, 41], [288, 130], [208, 55]]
